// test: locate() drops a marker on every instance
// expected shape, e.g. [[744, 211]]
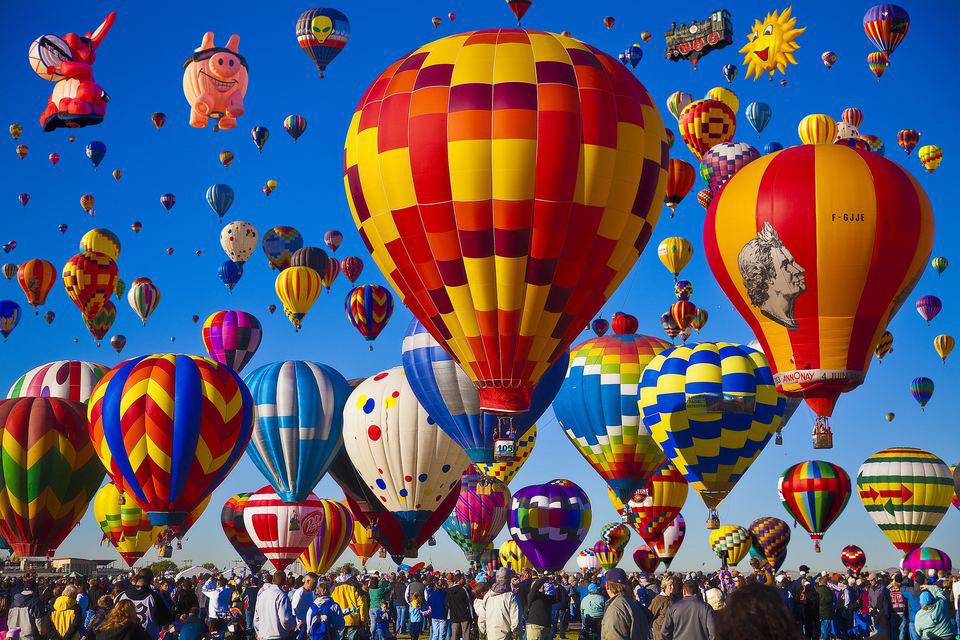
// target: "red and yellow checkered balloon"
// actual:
[[505, 182]]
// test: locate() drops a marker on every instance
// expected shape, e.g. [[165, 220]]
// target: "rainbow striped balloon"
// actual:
[[231, 519], [480, 513], [926, 559], [814, 493], [331, 539], [607, 556]]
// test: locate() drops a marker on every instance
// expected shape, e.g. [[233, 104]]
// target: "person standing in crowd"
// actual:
[[218, 598], [825, 607], [192, 627], [273, 617], [436, 609], [379, 591], [184, 598], [150, 606], [416, 615], [561, 608], [26, 610], [459, 609], [498, 612], [416, 586], [539, 609], [122, 623], [300, 600], [756, 612], [324, 619], [934, 621], [352, 603], [248, 601], [897, 607], [623, 618], [400, 603], [591, 612], [714, 595], [689, 618], [83, 598], [879, 598], [381, 621], [66, 618], [670, 592], [786, 594]]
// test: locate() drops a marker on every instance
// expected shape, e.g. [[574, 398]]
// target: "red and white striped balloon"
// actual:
[[282, 531]]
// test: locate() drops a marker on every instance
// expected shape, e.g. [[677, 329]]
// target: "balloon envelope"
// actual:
[[548, 522], [231, 519]]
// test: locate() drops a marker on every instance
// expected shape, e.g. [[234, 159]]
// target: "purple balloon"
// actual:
[[723, 160], [549, 521]]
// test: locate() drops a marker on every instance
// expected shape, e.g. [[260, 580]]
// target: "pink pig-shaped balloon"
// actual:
[[214, 83]]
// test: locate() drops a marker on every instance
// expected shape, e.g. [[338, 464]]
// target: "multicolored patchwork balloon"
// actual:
[[607, 556], [232, 337], [279, 243], [506, 471], [723, 160], [658, 505], [853, 558], [616, 534], [731, 543], [815, 493], [927, 559], [67, 379], [549, 521], [124, 524], [771, 537], [480, 513]]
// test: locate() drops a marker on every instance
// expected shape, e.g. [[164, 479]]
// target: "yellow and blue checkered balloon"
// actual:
[[711, 408]]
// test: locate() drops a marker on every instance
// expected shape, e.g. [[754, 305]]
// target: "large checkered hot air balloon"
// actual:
[[817, 247], [49, 473], [597, 408], [196, 415], [124, 524], [451, 398], [711, 408], [282, 531], [67, 379], [706, 123], [331, 539], [549, 521], [89, 279], [232, 337], [814, 493], [731, 543], [667, 544], [479, 515], [411, 466], [231, 519], [906, 491], [505, 182], [771, 537], [663, 497], [298, 429]]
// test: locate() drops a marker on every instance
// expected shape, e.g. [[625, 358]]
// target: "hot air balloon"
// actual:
[[728, 419], [66, 379], [675, 252], [86, 202], [548, 522], [143, 297], [772, 147], [312, 257], [231, 519], [680, 178], [633, 55], [519, 8], [771, 537], [158, 118], [586, 560], [506, 377], [724, 95], [607, 556], [54, 158], [89, 279], [397, 449], [62, 228], [927, 559], [101, 241], [230, 273], [10, 270], [331, 540], [758, 115], [479, 515], [874, 143], [886, 26], [368, 308], [853, 558], [700, 319], [136, 226], [259, 135], [96, 151], [928, 307], [220, 197], [124, 524], [705, 197], [333, 239], [38, 505], [731, 543], [36, 278], [878, 63], [600, 327], [117, 174], [656, 505], [280, 530], [885, 345], [436, 21], [922, 390], [722, 161], [279, 244], [9, 317], [200, 419], [295, 125], [705, 124], [893, 218], [299, 423], [333, 270], [906, 491], [22, 151], [232, 337], [683, 312], [599, 414], [118, 342], [120, 288], [828, 57], [351, 266], [908, 139], [668, 543], [168, 200], [451, 399], [99, 324], [24, 198], [363, 544], [646, 559], [930, 157], [239, 240], [15, 130], [512, 557], [890, 416], [624, 323], [297, 288], [507, 470], [677, 102], [729, 72], [943, 344], [226, 157], [817, 128], [322, 34], [814, 493], [939, 264]]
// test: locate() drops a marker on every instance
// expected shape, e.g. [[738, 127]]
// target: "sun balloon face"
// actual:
[[771, 44]]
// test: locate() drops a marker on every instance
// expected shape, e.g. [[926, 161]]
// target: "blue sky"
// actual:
[[140, 66]]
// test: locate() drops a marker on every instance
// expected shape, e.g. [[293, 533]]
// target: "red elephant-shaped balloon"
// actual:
[[76, 100], [215, 82]]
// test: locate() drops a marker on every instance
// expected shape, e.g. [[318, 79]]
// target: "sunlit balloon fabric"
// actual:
[[399, 451], [886, 26], [239, 240], [101, 241], [817, 128], [549, 521], [232, 337], [706, 123], [282, 531], [668, 543], [853, 558], [231, 519], [322, 34], [646, 559], [906, 491], [125, 525], [89, 279], [511, 556], [362, 543], [49, 473], [731, 543], [505, 182], [450, 397], [298, 429], [279, 244], [506, 471], [480, 513], [712, 408], [659, 503], [36, 278], [331, 539], [815, 493], [771, 537], [927, 559], [368, 308], [168, 429], [597, 409], [817, 247], [297, 288], [675, 252], [607, 556], [67, 379]]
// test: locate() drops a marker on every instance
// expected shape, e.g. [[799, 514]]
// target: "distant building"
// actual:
[[692, 42], [82, 566]]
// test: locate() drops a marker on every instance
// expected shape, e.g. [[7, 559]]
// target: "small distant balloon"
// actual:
[[333, 239], [168, 200], [828, 57], [295, 125], [54, 158], [24, 198], [259, 135], [609, 21], [136, 226], [117, 174], [226, 157], [436, 21], [158, 118], [22, 150], [119, 341], [96, 151], [729, 72]]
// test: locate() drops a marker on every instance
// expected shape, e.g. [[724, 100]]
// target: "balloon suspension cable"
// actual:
[[822, 436]]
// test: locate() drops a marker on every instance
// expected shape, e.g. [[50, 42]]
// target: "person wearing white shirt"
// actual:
[[273, 616], [218, 596], [300, 600]]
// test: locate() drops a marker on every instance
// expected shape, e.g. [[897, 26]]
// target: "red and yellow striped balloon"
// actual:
[[659, 503], [362, 543], [369, 307], [505, 182], [817, 128], [817, 247], [36, 278], [169, 428], [297, 288], [331, 540]]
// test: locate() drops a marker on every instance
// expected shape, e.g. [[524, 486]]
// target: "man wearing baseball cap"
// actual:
[[623, 618]]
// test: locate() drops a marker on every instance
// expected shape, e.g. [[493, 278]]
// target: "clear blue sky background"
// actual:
[[140, 66]]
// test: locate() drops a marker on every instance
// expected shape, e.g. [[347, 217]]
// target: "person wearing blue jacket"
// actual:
[[911, 599], [934, 620]]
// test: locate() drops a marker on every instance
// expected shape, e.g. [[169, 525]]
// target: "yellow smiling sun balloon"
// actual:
[[771, 44]]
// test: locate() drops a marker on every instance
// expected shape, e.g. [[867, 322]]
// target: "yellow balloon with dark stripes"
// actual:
[[506, 471], [817, 128], [943, 343], [731, 543], [511, 556], [711, 407], [297, 288]]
